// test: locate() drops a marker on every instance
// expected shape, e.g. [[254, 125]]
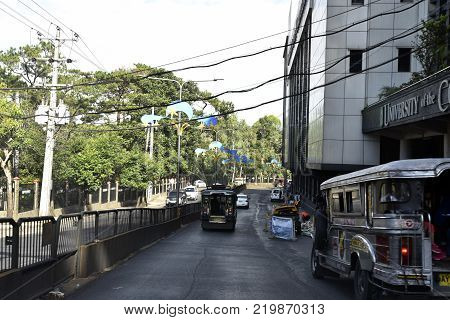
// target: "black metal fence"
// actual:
[[31, 241]]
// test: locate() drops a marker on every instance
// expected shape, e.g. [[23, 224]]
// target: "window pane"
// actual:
[[356, 60], [338, 202], [353, 201], [357, 2], [392, 194], [404, 60]]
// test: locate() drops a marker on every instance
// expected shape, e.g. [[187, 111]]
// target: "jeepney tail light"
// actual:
[[405, 251]]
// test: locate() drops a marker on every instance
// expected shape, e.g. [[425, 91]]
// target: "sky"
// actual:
[[158, 32]]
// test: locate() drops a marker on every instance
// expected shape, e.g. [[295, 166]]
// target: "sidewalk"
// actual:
[[158, 201]]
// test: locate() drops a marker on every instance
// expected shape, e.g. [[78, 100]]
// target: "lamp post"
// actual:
[[183, 107], [216, 131]]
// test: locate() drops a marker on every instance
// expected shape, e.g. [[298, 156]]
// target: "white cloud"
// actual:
[[157, 32]]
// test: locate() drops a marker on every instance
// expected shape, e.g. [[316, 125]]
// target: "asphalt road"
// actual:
[[197, 264]]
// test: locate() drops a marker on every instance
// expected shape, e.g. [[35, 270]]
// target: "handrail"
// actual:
[[33, 241]]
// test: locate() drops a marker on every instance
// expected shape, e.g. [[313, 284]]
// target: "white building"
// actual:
[[323, 124]]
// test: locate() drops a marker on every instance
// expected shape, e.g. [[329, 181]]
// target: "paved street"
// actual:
[[196, 264]]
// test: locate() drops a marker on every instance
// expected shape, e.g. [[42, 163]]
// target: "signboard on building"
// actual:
[[424, 100]]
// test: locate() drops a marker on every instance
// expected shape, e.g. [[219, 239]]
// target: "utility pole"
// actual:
[[152, 134], [44, 204]]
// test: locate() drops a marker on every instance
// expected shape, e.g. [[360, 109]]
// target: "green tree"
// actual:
[[90, 161], [12, 134], [431, 50]]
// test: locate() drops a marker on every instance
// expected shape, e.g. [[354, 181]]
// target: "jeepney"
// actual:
[[390, 224], [218, 208]]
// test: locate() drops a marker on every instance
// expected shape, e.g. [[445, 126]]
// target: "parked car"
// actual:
[[191, 192], [200, 184], [172, 198], [276, 195], [242, 201]]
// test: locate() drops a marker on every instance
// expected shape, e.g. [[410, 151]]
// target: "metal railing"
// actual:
[[32, 241]]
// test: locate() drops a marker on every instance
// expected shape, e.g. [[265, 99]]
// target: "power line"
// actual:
[[31, 9], [74, 32], [132, 108], [258, 105], [403, 34], [255, 53], [262, 38], [41, 31], [25, 18], [111, 79]]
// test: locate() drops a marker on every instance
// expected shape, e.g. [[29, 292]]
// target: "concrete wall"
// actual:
[[33, 281]]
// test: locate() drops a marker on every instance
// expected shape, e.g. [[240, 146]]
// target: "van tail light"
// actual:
[[405, 251]]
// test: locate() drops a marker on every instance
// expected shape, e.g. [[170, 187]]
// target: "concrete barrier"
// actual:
[[34, 281], [98, 256]]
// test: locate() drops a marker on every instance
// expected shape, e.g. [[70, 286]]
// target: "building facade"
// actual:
[[414, 122], [338, 57]]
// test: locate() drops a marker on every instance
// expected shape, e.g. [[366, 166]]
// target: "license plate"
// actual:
[[444, 279], [217, 220]]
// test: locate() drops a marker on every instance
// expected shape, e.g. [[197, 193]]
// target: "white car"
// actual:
[[276, 194], [172, 198], [200, 184], [242, 201], [191, 192]]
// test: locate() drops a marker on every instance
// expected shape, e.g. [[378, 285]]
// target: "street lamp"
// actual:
[[177, 107], [216, 131]]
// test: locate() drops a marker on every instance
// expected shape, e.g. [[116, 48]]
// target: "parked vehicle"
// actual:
[[242, 201], [239, 181], [172, 198], [390, 224], [276, 195], [200, 184], [219, 208], [191, 192]]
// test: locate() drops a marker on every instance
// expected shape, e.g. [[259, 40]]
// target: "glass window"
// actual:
[[392, 193], [338, 202], [353, 201], [358, 2], [356, 60], [404, 60]]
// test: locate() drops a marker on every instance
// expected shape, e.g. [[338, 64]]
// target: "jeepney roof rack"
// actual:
[[401, 169]]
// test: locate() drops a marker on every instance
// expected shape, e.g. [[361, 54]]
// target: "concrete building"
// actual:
[[414, 122], [326, 87]]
